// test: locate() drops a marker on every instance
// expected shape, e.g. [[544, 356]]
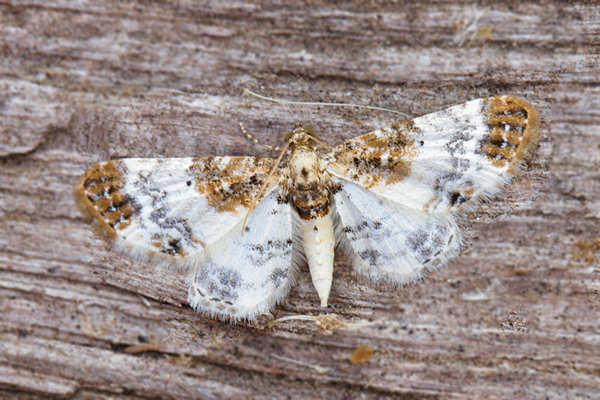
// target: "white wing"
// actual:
[[169, 210], [243, 275], [389, 242], [443, 160]]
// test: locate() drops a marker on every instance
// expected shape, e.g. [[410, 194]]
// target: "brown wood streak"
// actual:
[[77, 321]]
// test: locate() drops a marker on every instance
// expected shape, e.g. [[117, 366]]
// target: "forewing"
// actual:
[[443, 160], [245, 274], [171, 209], [389, 242]]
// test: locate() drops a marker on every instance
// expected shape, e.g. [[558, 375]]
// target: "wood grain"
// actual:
[[515, 316]]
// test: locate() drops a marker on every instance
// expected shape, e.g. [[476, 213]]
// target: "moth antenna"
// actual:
[[316, 103], [264, 186], [256, 141]]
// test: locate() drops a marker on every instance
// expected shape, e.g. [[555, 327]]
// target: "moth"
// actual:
[[242, 227]]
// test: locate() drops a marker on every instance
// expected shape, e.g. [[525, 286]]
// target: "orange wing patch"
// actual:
[[99, 190], [514, 129], [231, 185], [373, 159]]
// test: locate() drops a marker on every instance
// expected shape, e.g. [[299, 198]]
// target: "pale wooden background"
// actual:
[[516, 316]]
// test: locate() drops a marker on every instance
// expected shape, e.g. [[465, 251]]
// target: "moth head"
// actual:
[[301, 136]]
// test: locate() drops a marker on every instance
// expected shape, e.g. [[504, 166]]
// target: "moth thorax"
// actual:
[[304, 167], [309, 192]]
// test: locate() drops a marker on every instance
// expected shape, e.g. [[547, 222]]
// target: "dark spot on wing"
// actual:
[[455, 146], [456, 199], [282, 199], [173, 247], [334, 188], [260, 254], [362, 226], [158, 214], [364, 230], [371, 256], [221, 284], [278, 277], [229, 278], [429, 241]]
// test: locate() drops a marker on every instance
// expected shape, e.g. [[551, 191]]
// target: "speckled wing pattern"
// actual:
[[416, 175], [392, 197], [241, 276], [389, 242], [178, 211]]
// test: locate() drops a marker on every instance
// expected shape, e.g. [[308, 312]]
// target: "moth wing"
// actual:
[[390, 242], [441, 161], [169, 210], [243, 275]]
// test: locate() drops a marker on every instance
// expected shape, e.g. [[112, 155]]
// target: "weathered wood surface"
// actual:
[[515, 316]]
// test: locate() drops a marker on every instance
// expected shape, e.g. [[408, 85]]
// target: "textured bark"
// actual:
[[516, 315]]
